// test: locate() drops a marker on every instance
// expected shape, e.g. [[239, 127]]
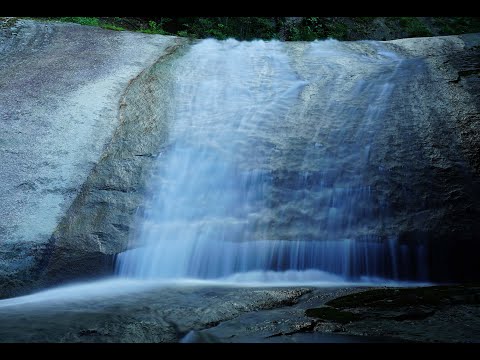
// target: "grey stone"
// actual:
[[60, 90], [85, 113]]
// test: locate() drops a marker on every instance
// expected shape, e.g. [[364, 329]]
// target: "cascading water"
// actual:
[[266, 175]]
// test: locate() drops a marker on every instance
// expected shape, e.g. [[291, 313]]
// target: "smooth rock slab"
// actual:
[[120, 310], [126, 310], [60, 88]]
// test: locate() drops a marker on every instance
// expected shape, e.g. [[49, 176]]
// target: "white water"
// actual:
[[104, 292], [262, 184], [94, 290]]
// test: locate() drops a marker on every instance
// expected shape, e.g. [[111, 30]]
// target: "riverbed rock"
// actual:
[[119, 311]]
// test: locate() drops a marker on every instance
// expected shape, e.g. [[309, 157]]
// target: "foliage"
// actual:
[[307, 30], [338, 31], [183, 33], [241, 28], [457, 25], [112, 27], [90, 21], [414, 27], [294, 29], [154, 28], [312, 28]]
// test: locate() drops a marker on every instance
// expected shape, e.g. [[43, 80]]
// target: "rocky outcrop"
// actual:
[[61, 85], [430, 143], [445, 314], [348, 162], [130, 311], [99, 223], [416, 164], [118, 311], [85, 112]]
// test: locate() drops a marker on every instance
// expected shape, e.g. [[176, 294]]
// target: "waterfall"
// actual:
[[267, 172]]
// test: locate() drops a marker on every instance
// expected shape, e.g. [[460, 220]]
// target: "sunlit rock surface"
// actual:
[[60, 100]]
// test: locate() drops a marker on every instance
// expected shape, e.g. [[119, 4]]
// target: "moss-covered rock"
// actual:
[[328, 313], [421, 296]]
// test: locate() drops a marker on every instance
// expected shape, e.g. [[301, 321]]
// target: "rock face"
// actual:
[[428, 314], [430, 144], [366, 170], [422, 164], [85, 111], [60, 90], [116, 311], [418, 159], [98, 224]]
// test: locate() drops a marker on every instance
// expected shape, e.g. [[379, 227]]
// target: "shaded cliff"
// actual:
[[346, 157], [430, 148]]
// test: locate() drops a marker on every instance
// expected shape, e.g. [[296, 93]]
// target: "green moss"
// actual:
[[154, 28], [183, 33], [112, 27], [395, 298], [90, 21], [331, 314]]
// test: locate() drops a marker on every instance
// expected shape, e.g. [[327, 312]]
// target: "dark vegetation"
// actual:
[[396, 304], [393, 298], [287, 28], [328, 313]]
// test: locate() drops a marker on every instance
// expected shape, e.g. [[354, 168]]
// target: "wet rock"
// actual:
[[61, 85], [119, 312], [414, 314], [199, 337], [328, 313]]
